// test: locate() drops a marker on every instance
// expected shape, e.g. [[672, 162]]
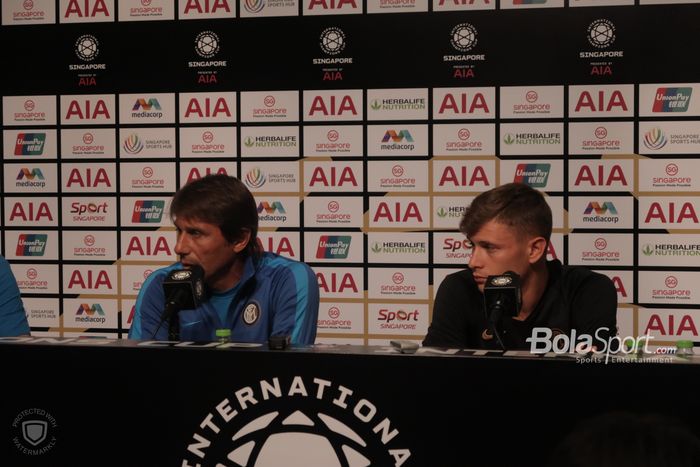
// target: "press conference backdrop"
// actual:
[[363, 128]]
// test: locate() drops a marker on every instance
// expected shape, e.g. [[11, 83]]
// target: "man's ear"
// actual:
[[537, 248], [242, 242]]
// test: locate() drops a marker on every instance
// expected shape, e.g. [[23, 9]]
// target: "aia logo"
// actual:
[[671, 212], [207, 6], [335, 282], [30, 211], [196, 174], [333, 177], [331, 4], [669, 327], [601, 175], [600, 102], [150, 245], [464, 104], [464, 176], [79, 9], [90, 280], [398, 212], [87, 178], [90, 110], [208, 109], [333, 106]]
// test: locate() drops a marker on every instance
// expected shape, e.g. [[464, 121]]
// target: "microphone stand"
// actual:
[[174, 322]]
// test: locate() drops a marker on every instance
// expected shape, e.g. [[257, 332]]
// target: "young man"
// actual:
[[509, 229], [254, 294]]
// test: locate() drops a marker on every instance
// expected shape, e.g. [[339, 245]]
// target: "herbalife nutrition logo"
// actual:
[[532, 139], [671, 249], [416, 103], [399, 248]]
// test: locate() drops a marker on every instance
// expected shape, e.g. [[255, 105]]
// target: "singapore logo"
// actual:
[[332, 40], [601, 33], [296, 421], [206, 44], [463, 37], [655, 139], [86, 47]]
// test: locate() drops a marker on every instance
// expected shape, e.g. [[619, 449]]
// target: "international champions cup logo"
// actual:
[[296, 421]]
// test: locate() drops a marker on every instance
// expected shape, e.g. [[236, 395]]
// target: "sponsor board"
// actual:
[[134, 276], [672, 287], [146, 142], [524, 4], [90, 279], [195, 170], [270, 141], [39, 212], [669, 212], [208, 142], [397, 140], [401, 284], [679, 137], [556, 204], [615, 100], [278, 211], [148, 246], [332, 247], [396, 6], [88, 11], [606, 212], [544, 175], [88, 177], [669, 175], [668, 324], [333, 140], [276, 177], [149, 10], [601, 175], [461, 176], [601, 138], [673, 250], [128, 309], [269, 106], [41, 312], [331, 7], [93, 143], [333, 176], [283, 243], [89, 109], [36, 278], [203, 9], [464, 103], [21, 12], [29, 144], [340, 282], [89, 245], [669, 100], [28, 110], [329, 211], [342, 104], [582, 3], [448, 210], [207, 107], [596, 249], [151, 211], [456, 5], [399, 212], [396, 319], [87, 313], [341, 318], [30, 178], [145, 109], [532, 101], [31, 245], [99, 211], [147, 177], [532, 139], [397, 104], [392, 176], [406, 247], [451, 248], [459, 139]]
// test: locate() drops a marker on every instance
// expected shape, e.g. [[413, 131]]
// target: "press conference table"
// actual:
[[100, 402]]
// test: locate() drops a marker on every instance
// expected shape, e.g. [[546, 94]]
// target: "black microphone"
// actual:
[[502, 297], [184, 290]]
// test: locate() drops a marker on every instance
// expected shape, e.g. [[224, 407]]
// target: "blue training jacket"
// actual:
[[277, 296]]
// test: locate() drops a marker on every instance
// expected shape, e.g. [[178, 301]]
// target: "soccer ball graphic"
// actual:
[[297, 440]]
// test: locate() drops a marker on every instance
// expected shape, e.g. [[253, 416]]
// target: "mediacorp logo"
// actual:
[[296, 421]]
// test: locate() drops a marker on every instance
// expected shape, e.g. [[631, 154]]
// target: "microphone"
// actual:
[[502, 297], [184, 290]]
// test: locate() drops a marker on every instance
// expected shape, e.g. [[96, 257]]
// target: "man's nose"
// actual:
[[475, 259], [182, 245]]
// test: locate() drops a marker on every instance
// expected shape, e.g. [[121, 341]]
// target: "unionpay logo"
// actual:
[[672, 99], [30, 144], [534, 175], [31, 244], [333, 247], [148, 211]]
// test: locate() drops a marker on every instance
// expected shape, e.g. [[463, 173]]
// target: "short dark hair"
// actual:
[[221, 200], [515, 204]]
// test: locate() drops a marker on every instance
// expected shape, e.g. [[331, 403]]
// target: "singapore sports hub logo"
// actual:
[[296, 421], [463, 37]]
